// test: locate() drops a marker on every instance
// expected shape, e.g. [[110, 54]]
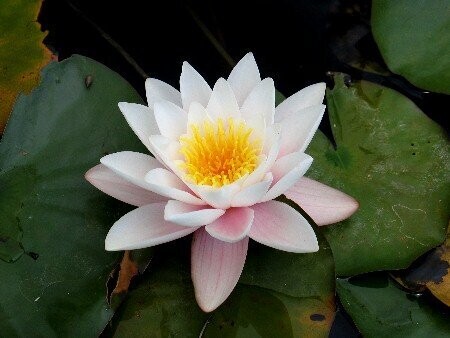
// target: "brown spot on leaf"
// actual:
[[430, 271], [317, 317], [88, 81], [127, 270]]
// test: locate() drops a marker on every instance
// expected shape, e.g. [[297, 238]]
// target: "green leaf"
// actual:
[[395, 161], [55, 284], [279, 294], [22, 53], [380, 309], [414, 39]]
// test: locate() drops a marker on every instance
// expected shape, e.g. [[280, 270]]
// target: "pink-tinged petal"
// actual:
[[190, 215], [310, 96], [157, 90], [197, 113], [271, 149], [171, 119], [298, 130], [112, 184], [286, 172], [142, 228], [193, 87], [167, 184], [219, 198], [261, 100], [252, 194], [222, 103], [244, 77], [131, 166], [215, 268], [325, 205], [281, 227], [233, 226], [141, 120]]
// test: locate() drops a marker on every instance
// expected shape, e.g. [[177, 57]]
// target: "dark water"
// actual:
[[294, 42]]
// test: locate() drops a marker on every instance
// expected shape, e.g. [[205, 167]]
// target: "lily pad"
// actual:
[[22, 53], [380, 309], [54, 267], [279, 294], [413, 37], [395, 161]]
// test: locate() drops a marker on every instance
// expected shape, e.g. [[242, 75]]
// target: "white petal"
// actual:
[[324, 204], [258, 125], [141, 120], [271, 148], [166, 151], [261, 100], [298, 130], [222, 103], [233, 226], [281, 227], [190, 215], [131, 166], [286, 172], [252, 194], [215, 268], [168, 184], [171, 119], [217, 197], [197, 113], [193, 87], [157, 90], [142, 228], [112, 184], [243, 77], [307, 97]]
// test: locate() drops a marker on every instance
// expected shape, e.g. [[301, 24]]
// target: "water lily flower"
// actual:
[[221, 158]]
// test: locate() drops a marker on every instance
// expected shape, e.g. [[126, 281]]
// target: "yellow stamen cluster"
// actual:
[[219, 153]]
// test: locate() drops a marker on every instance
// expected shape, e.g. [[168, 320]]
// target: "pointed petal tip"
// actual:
[[215, 268], [348, 206], [324, 204], [186, 65], [124, 107], [204, 306], [88, 175], [249, 54], [353, 205], [111, 243], [108, 246]]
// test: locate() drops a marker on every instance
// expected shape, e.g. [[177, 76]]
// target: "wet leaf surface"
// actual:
[[380, 309], [56, 285], [413, 37], [395, 161]]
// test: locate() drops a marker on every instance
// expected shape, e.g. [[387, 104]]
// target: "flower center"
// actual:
[[219, 153]]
